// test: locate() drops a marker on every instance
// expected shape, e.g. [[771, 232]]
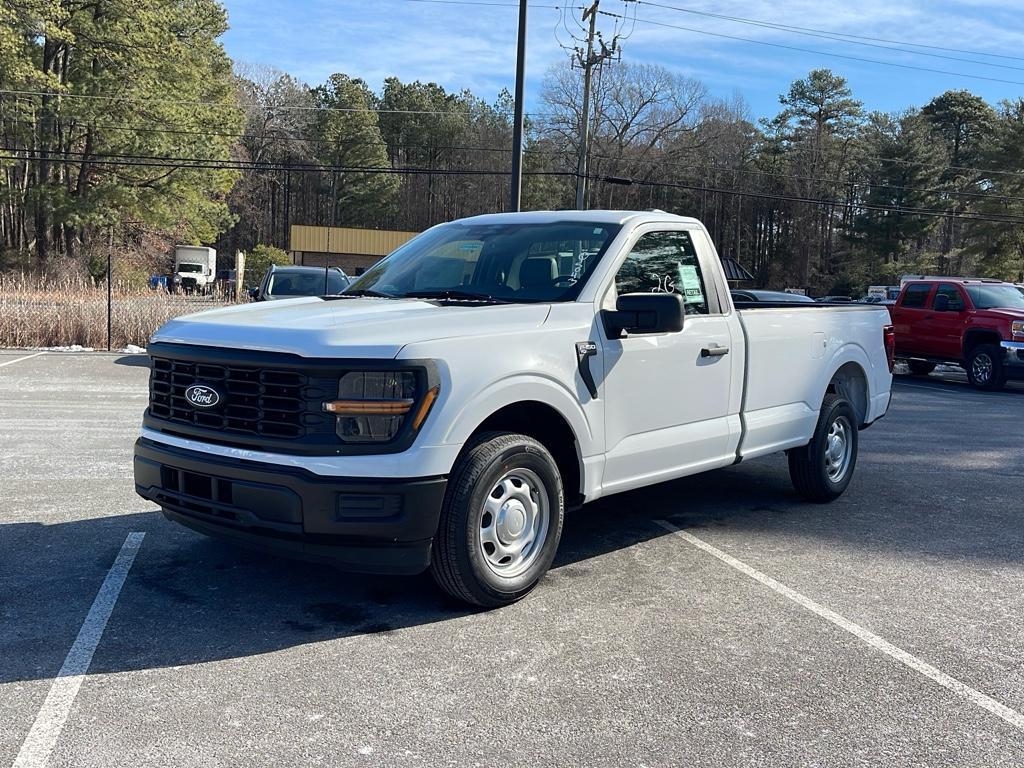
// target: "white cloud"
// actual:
[[463, 46]]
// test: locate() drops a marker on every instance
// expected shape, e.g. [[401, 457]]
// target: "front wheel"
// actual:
[[501, 520], [823, 468], [985, 367]]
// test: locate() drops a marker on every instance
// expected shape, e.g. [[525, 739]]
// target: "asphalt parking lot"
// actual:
[[640, 648]]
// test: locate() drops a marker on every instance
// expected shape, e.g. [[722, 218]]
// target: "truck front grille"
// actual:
[[256, 401]]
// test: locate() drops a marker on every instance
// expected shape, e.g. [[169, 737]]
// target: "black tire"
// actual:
[[985, 368], [460, 562], [920, 367], [809, 466]]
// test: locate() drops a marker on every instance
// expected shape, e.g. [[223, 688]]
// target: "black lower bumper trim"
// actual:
[[367, 525]]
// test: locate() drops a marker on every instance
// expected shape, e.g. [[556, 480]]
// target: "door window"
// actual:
[[956, 302], [662, 262], [916, 296]]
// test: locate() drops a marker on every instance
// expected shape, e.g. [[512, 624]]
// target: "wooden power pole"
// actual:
[[587, 61]]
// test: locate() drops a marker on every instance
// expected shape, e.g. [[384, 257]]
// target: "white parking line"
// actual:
[[35, 750], [19, 359], [1011, 716]]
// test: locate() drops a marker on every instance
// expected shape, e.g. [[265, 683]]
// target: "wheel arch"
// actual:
[[978, 336], [540, 410], [850, 380]]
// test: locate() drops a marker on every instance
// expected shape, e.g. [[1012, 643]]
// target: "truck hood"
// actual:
[[1008, 313], [361, 327]]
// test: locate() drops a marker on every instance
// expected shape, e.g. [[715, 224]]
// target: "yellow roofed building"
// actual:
[[354, 250]]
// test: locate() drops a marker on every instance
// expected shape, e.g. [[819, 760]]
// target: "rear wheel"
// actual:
[[501, 521], [985, 367], [920, 367], [822, 469]]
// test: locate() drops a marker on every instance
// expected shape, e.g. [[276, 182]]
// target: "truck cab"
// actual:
[[975, 323]]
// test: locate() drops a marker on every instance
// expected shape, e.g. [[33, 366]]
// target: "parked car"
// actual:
[[289, 282], [744, 295], [226, 279], [444, 411], [974, 323]]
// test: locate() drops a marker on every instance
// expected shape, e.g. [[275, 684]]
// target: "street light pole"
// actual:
[[517, 125]]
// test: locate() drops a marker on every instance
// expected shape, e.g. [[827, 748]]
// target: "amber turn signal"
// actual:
[[424, 409]]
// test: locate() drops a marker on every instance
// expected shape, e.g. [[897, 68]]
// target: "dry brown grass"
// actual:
[[40, 312]]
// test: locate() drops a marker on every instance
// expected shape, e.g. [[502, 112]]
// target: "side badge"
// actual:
[[584, 351]]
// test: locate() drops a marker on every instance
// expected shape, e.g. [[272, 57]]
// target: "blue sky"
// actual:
[[473, 46]]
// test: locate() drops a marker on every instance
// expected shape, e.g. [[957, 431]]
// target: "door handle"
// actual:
[[714, 350]]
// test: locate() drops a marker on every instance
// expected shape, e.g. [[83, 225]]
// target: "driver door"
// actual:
[[669, 395]]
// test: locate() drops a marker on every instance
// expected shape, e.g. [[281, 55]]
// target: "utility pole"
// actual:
[[587, 64], [517, 125]]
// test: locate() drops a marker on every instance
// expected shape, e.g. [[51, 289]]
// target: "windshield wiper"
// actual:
[[455, 295]]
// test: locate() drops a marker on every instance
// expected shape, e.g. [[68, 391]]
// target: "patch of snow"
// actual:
[[72, 348], [131, 349], [365, 750]]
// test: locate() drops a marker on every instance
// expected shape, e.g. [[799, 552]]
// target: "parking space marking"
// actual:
[[19, 359], [1011, 716], [35, 750]]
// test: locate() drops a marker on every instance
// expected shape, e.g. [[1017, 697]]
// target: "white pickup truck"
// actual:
[[444, 411]]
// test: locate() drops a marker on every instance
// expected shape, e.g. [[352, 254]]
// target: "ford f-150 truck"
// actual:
[[973, 323], [444, 411]]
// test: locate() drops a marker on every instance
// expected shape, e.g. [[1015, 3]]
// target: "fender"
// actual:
[[849, 353], [520, 388]]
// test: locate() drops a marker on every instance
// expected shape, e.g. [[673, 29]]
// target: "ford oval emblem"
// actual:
[[202, 396]]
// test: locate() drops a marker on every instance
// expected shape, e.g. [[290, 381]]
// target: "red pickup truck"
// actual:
[[976, 324]]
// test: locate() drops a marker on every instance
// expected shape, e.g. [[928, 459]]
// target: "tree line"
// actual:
[[127, 123]]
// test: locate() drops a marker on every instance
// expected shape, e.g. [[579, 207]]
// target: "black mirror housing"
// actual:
[[639, 313]]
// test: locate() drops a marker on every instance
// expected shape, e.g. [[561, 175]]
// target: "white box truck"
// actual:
[[195, 269], [444, 410]]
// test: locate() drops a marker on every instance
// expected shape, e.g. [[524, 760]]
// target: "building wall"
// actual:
[[354, 250], [352, 264]]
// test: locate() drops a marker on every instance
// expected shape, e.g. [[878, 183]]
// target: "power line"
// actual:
[[198, 163], [239, 106], [845, 34], [284, 138], [288, 164], [817, 52], [843, 37], [819, 180], [818, 201], [191, 163]]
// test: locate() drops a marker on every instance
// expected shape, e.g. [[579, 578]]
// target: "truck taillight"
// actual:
[[889, 334]]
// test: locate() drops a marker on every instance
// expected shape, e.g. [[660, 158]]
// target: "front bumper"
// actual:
[[369, 525], [1013, 356]]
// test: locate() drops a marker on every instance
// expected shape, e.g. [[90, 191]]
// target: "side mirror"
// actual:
[[645, 313], [941, 303], [254, 293]]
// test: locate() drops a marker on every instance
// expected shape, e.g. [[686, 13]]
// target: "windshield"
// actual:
[[190, 267], [996, 296], [286, 283], [508, 262]]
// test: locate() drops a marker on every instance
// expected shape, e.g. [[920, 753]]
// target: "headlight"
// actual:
[[374, 406], [1017, 326]]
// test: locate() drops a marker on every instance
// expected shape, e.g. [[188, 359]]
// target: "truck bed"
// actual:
[[792, 351]]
